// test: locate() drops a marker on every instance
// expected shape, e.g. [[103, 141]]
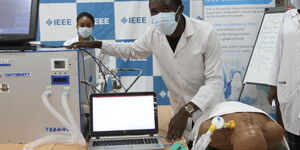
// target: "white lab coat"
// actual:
[[105, 59], [192, 73], [287, 71]]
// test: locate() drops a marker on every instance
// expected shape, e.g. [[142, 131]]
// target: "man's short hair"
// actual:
[[176, 2], [85, 14]]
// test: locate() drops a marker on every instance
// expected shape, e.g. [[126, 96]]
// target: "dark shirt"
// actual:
[[173, 41]]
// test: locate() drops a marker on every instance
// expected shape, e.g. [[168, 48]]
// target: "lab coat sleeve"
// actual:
[[277, 57], [68, 42], [140, 48], [105, 60], [211, 93]]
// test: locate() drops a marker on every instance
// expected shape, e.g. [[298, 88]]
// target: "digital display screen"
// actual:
[[58, 80], [15, 16], [59, 64]]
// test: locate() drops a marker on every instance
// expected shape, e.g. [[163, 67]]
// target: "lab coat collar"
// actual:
[[294, 15], [188, 31]]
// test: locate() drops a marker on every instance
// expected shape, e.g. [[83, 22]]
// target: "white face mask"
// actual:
[[296, 3], [165, 22], [85, 32]]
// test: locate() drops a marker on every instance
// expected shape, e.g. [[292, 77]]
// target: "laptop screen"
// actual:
[[123, 113]]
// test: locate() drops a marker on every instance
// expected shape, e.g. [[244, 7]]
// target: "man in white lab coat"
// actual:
[[286, 76], [188, 55]]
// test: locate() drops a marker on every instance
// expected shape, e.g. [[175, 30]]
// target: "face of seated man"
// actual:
[[253, 131]]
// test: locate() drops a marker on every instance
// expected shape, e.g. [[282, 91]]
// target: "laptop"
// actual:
[[124, 121]]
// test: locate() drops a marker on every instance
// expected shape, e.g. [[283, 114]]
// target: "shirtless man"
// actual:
[[254, 129]]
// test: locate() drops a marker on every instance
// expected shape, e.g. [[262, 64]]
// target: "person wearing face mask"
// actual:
[[85, 26], [188, 55], [286, 75]]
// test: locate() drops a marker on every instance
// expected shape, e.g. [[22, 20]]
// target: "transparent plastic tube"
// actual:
[[75, 131], [75, 136], [203, 142], [52, 138], [53, 111], [216, 123]]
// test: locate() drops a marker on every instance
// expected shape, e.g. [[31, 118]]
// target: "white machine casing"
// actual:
[[24, 76]]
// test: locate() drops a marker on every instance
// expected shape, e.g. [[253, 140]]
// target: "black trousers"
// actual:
[[293, 140]]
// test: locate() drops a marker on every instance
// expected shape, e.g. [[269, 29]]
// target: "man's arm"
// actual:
[[207, 94], [140, 48], [272, 95], [178, 123], [86, 44]]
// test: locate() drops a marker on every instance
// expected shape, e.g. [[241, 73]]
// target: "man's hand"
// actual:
[[178, 124], [86, 44], [272, 94]]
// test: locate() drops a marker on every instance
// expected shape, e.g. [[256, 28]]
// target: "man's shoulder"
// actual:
[[291, 12], [200, 24], [151, 30]]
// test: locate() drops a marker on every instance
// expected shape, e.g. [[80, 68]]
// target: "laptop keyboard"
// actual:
[[125, 142]]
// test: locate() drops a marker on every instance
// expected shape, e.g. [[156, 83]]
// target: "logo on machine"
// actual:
[[4, 88], [134, 20], [56, 129], [59, 22], [5, 62], [17, 74]]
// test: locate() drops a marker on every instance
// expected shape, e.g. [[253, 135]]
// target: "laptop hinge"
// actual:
[[150, 134], [98, 137]]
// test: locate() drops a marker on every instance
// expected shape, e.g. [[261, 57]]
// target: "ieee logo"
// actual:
[[59, 22], [134, 20], [102, 21]]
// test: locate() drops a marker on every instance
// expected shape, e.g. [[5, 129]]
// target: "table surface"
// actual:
[[164, 113]]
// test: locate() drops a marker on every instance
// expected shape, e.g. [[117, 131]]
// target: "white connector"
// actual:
[[67, 88], [86, 109], [48, 87]]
